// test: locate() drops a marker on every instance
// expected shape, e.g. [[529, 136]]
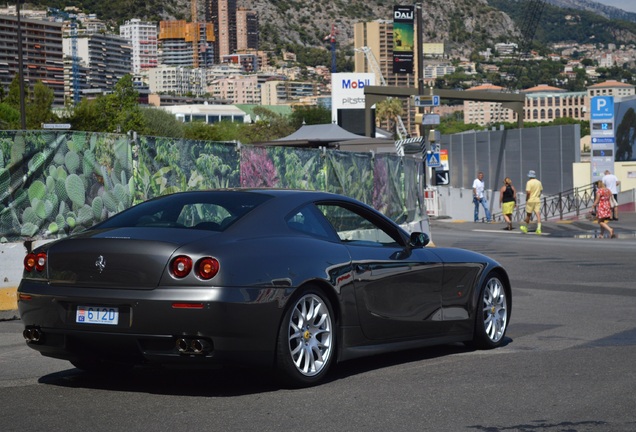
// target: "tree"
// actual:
[[115, 112], [267, 127], [389, 110], [157, 122], [38, 109], [311, 115]]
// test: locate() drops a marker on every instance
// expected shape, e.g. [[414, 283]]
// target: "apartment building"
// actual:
[[186, 44], [610, 88], [177, 80], [239, 89], [246, 29], [142, 37], [106, 57], [286, 92], [222, 15], [42, 54], [543, 104]]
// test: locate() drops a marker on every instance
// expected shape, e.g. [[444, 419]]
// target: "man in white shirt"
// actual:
[[479, 197], [611, 182]]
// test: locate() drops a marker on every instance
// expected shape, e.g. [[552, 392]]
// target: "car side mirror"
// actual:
[[418, 239]]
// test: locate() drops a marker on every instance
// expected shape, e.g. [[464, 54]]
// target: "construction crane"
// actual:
[[375, 68], [195, 33], [331, 37], [530, 20]]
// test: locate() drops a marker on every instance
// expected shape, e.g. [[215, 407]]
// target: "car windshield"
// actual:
[[213, 211]]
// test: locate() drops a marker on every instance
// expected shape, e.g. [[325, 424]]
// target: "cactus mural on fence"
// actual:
[[53, 184], [49, 185]]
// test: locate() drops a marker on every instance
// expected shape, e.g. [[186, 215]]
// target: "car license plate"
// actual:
[[97, 315]]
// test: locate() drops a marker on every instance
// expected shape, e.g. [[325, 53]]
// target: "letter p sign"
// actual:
[[602, 108], [601, 104]]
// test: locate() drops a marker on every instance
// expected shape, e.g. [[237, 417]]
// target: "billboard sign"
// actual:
[[347, 91], [403, 38]]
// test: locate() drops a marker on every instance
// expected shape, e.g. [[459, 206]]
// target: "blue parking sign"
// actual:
[[602, 108]]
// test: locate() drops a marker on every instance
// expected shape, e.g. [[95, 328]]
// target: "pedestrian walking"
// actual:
[[533, 201], [611, 182], [603, 208], [479, 197], [508, 201]]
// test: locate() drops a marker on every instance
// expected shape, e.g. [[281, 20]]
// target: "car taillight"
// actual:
[[33, 261], [181, 266], [207, 268]]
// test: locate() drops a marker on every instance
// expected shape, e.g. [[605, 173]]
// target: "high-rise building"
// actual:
[[246, 29], [222, 14], [142, 37], [378, 36], [43, 57], [186, 44], [107, 57]]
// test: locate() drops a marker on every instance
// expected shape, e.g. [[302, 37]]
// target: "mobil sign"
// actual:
[[347, 90]]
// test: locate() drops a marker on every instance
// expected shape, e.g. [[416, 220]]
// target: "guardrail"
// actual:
[[570, 204]]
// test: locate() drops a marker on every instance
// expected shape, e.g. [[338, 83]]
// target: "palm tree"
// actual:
[[388, 111]]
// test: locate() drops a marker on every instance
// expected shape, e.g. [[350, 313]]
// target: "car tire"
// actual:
[[492, 314], [306, 345]]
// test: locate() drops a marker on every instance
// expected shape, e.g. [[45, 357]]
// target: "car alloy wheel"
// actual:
[[306, 339], [495, 310]]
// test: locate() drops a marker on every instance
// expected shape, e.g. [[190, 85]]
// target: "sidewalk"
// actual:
[[626, 225]]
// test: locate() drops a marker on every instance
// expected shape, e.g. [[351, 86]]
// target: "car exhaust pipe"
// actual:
[[199, 346], [182, 345], [32, 334], [191, 346]]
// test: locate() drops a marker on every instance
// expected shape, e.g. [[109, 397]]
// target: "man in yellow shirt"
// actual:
[[533, 201]]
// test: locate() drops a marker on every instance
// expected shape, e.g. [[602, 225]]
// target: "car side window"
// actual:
[[305, 220], [354, 228], [204, 216]]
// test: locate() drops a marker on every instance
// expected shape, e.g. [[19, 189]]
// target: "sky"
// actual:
[[627, 5]]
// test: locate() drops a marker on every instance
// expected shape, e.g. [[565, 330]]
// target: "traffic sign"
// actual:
[[432, 160], [431, 119], [442, 178], [424, 101], [602, 108]]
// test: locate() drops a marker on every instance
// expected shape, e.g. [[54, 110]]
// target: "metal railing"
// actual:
[[570, 204]]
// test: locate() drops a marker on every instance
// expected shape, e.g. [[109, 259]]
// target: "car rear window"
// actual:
[[212, 211]]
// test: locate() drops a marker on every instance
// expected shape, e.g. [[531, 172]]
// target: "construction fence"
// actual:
[[55, 183]]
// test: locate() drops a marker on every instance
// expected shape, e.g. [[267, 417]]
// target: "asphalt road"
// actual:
[[568, 365]]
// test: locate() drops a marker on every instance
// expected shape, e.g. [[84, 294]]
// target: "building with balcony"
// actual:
[[186, 44], [42, 54], [177, 80], [246, 29], [106, 57], [142, 37], [286, 92], [222, 15], [239, 89]]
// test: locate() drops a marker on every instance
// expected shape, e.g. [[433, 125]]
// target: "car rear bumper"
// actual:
[[178, 326]]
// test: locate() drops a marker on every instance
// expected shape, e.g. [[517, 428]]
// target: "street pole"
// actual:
[[20, 70]]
